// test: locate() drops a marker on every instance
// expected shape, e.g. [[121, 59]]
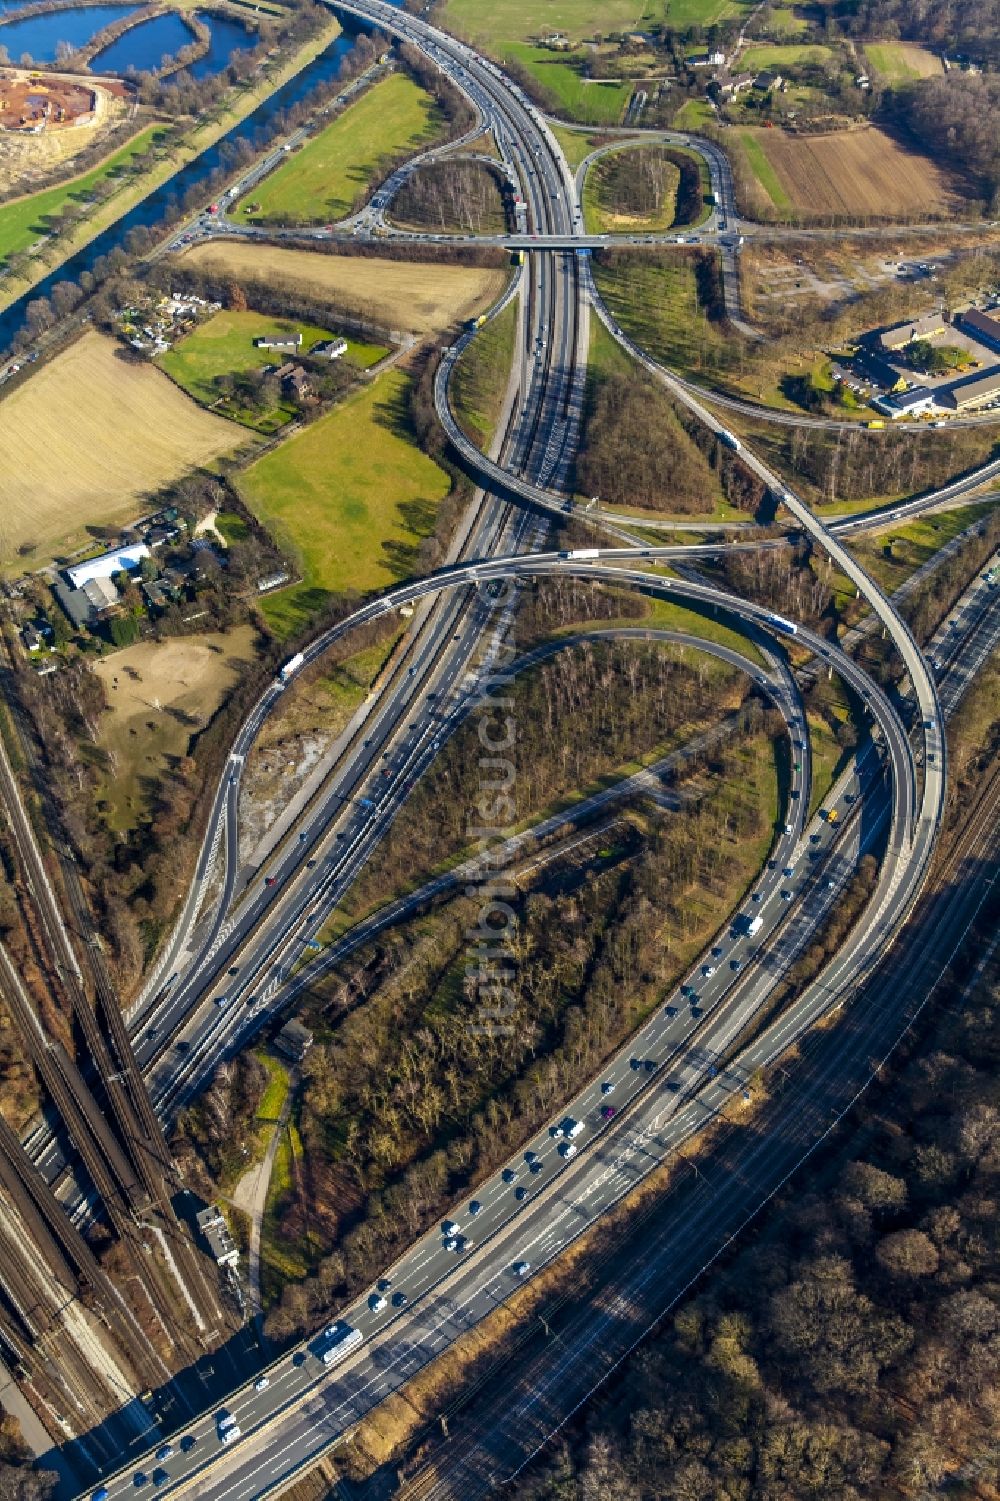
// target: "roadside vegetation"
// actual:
[[638, 449], [455, 196], [405, 1104], [480, 378], [679, 696], [643, 189]]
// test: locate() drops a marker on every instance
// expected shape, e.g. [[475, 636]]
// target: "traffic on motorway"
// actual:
[[681, 1067]]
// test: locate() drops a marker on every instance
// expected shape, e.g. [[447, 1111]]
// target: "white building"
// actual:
[[107, 564]]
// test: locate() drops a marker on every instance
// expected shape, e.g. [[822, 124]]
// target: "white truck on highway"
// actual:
[[229, 1429], [582, 552], [748, 923], [340, 1340], [291, 667]]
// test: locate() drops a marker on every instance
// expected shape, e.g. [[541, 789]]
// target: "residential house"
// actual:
[[296, 384], [34, 637], [329, 349], [728, 85], [767, 80]]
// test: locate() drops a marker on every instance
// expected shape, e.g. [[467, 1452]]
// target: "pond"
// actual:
[[40, 35], [145, 47], [227, 37]]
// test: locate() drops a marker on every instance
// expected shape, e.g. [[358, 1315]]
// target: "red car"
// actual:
[[270, 880]]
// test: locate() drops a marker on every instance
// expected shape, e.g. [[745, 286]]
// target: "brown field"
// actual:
[[415, 297], [144, 683], [856, 172], [85, 439]]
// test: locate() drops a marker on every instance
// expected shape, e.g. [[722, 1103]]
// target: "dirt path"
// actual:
[[250, 1194]]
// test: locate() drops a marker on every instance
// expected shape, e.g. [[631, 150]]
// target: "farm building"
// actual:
[[767, 81], [981, 327], [902, 334], [106, 564], [977, 391], [278, 341], [715, 59]]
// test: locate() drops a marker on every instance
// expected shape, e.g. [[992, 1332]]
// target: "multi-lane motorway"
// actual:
[[669, 1081]]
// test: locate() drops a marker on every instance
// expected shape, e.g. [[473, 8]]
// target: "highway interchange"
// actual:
[[667, 1084]]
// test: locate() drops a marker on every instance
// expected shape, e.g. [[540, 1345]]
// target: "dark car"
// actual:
[[608, 1112], [520, 1192]]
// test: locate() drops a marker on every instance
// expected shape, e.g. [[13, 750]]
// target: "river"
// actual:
[[152, 209]]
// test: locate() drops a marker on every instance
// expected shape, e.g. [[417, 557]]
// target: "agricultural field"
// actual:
[[796, 55], [87, 439], [224, 346], [680, 14], [25, 220], [160, 693], [783, 21], [902, 62], [331, 173], [567, 90], [502, 21], [419, 297], [850, 172], [351, 497]]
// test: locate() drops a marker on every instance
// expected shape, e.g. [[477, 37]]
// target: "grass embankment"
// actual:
[[764, 171], [201, 136], [682, 14], [759, 57], [609, 365], [23, 220], [351, 526], [332, 172], [657, 301], [897, 553], [479, 380], [225, 346]]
